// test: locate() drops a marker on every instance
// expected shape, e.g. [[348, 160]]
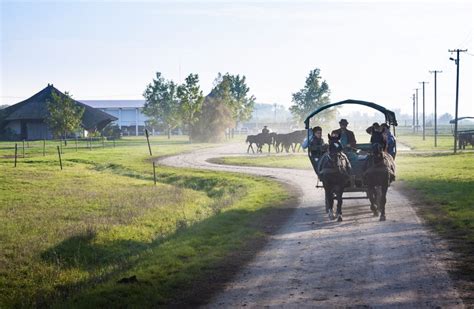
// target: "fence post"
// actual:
[[23, 149], [154, 172], [148, 141], [16, 152], [60, 161], [44, 147], [90, 143]]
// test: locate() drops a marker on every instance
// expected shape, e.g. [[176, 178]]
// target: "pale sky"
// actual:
[[374, 50]]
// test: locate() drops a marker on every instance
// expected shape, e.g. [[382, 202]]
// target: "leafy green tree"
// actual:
[[190, 100], [162, 104], [65, 116], [314, 95], [234, 92]]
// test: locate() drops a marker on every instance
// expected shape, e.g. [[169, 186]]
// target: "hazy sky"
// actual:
[[374, 50]]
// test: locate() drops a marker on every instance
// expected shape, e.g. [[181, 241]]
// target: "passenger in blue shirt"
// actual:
[[391, 147]]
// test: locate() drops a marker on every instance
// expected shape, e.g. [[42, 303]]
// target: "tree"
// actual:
[[213, 119], [190, 100], [234, 92], [445, 118], [314, 94], [65, 116], [161, 103]]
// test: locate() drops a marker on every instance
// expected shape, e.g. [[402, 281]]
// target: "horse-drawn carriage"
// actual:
[[359, 157]]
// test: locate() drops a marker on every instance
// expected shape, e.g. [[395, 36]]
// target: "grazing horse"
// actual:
[[379, 172], [333, 170]]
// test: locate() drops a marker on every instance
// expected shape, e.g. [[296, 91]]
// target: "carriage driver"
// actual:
[[347, 137], [265, 130]]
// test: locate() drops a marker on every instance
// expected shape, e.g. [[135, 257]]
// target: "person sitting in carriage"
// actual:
[[347, 137], [389, 139], [265, 130], [316, 142], [377, 137], [381, 135]]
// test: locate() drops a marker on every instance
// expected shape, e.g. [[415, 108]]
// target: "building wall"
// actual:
[[35, 129], [132, 118]]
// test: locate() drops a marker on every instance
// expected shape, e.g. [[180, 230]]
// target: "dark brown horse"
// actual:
[[334, 170], [379, 172], [260, 140]]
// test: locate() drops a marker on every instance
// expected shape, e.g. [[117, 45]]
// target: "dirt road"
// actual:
[[314, 262]]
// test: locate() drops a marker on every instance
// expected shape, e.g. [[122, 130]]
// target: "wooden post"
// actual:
[[16, 152], [44, 147], [148, 140], [23, 148], [60, 161], [103, 142], [90, 143], [154, 172]]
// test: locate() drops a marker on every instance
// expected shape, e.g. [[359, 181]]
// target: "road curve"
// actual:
[[314, 262]]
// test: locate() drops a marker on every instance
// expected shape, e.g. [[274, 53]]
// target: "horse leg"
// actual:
[[383, 201], [268, 148], [329, 202], [339, 192], [372, 199], [250, 146]]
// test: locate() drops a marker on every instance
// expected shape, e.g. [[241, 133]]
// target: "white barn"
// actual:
[[129, 114]]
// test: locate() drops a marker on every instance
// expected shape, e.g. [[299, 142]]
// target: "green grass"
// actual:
[[446, 182], [68, 236], [416, 142]]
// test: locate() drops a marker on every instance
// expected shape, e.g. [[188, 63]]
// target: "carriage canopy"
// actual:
[[389, 115]]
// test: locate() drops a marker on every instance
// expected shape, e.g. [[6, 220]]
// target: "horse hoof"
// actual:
[[331, 215], [382, 218], [376, 213], [339, 218]]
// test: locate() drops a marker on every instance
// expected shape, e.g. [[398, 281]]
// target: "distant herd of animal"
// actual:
[[280, 142]]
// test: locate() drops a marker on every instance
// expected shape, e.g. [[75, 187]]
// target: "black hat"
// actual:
[[343, 121]]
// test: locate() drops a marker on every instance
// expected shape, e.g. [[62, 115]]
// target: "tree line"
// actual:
[[170, 105]]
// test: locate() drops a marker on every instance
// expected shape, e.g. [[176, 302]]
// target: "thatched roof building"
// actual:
[[27, 118]]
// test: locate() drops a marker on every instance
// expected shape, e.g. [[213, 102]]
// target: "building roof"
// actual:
[[36, 107], [115, 103]]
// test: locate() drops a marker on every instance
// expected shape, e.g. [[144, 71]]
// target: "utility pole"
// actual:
[[413, 113], [435, 108], [424, 129], [456, 61], [416, 93]]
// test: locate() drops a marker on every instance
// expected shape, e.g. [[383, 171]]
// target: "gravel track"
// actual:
[[314, 262]]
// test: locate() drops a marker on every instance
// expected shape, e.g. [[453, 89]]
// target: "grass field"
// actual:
[[68, 236]]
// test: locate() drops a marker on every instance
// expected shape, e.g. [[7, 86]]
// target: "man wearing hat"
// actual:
[[265, 130], [346, 136]]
